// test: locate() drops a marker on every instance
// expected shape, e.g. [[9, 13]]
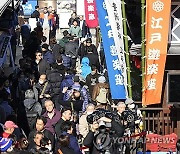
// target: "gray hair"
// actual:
[[121, 103], [90, 104]]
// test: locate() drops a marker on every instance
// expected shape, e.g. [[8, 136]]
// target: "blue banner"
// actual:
[[114, 67]]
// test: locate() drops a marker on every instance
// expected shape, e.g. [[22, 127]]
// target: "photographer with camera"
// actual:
[[132, 117], [104, 126]]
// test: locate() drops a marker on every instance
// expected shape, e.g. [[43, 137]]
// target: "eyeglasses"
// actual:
[[88, 42], [39, 55]]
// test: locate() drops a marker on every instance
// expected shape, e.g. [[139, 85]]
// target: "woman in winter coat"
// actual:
[[85, 67]]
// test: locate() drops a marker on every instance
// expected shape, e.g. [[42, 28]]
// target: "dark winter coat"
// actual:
[[43, 67], [88, 141], [60, 68], [73, 143], [82, 51], [92, 48], [40, 87], [71, 49], [46, 133], [56, 50], [55, 79], [48, 56], [67, 82], [91, 81], [94, 60]]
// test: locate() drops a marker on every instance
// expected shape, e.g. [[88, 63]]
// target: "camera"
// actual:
[[99, 113]]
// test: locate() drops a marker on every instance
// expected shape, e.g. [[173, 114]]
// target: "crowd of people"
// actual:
[[49, 105]]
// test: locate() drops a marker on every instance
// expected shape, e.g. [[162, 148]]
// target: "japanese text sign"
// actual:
[[114, 64], [157, 18], [91, 13]]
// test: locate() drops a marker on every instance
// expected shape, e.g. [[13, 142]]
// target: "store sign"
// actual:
[[91, 13], [157, 27]]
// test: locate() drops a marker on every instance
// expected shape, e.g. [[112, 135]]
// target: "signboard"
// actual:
[[157, 28], [91, 13], [64, 9], [29, 7], [155, 142], [113, 62]]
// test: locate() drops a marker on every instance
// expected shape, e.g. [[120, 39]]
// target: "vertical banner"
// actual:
[[91, 13], [114, 12], [116, 79], [157, 28]]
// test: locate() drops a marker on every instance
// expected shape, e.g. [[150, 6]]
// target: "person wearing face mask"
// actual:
[[83, 124], [92, 79]]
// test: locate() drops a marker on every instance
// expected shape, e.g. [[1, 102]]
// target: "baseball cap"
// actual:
[[101, 79], [10, 124]]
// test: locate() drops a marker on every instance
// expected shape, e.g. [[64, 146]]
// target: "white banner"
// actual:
[[115, 20]]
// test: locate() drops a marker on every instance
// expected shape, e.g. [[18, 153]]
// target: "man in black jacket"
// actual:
[[92, 79], [71, 50], [40, 127], [93, 59], [66, 116], [36, 13], [42, 66]]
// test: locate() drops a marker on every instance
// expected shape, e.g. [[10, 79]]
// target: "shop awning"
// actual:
[[3, 5]]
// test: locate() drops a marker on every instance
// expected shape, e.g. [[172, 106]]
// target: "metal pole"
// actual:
[[126, 49], [143, 40], [143, 59]]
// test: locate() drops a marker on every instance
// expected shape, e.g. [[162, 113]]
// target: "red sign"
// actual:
[[156, 143], [91, 13]]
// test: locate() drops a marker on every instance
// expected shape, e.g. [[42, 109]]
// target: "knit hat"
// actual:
[[101, 79], [5, 144], [129, 101], [10, 124]]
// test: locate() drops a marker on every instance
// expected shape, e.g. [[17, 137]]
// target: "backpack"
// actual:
[[102, 96], [32, 107]]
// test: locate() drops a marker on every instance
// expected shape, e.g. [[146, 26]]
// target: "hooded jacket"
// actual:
[[85, 68]]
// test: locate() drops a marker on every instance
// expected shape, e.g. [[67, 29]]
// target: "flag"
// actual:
[[115, 20], [91, 13], [157, 19], [113, 62]]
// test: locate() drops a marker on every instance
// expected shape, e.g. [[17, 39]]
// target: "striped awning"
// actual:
[[3, 5]]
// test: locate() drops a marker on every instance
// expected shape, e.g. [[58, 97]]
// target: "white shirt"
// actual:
[[45, 23], [81, 24]]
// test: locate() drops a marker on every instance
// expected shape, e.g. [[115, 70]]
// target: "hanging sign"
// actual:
[[157, 27], [91, 13], [113, 62]]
